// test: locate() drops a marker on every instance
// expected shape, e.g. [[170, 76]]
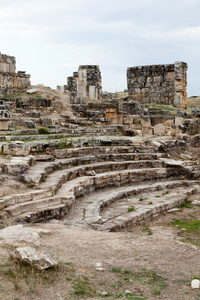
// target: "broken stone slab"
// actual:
[[159, 129], [19, 236], [90, 173], [36, 258], [173, 163], [32, 91], [44, 157]]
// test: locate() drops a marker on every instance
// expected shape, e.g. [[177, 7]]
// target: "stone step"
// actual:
[[137, 152], [143, 213], [107, 209], [18, 165], [50, 212], [68, 182], [7, 201], [69, 191], [115, 177], [25, 207], [37, 173]]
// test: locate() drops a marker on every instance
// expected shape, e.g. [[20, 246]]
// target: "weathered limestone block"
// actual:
[[128, 120], [179, 121], [6, 124], [16, 149], [168, 123], [159, 129]]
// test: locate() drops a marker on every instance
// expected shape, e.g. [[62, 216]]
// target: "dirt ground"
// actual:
[[149, 261]]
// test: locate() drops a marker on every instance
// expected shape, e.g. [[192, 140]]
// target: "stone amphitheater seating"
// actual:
[[104, 187]]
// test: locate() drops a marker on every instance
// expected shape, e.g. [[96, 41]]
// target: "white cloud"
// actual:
[[51, 38]]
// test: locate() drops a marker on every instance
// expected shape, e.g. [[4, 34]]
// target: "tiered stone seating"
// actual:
[[102, 187]]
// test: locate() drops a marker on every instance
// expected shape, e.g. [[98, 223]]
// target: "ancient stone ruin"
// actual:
[[86, 82], [8, 77], [78, 167], [160, 84]]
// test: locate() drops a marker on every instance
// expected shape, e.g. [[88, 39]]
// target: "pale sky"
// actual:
[[50, 39]]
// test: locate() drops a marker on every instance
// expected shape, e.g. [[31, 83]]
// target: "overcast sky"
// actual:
[[50, 39]]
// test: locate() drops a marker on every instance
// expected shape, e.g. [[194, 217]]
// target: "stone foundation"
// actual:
[[160, 84]]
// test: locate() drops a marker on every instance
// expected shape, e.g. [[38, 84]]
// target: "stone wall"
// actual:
[[160, 84], [8, 77], [86, 82]]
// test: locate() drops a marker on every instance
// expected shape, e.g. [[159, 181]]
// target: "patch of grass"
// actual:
[[186, 204], [117, 284], [141, 198], [150, 203], [190, 226], [119, 295], [68, 263], [131, 208], [165, 193], [69, 279], [148, 230], [157, 196], [43, 130], [155, 292], [82, 287], [117, 270], [135, 297]]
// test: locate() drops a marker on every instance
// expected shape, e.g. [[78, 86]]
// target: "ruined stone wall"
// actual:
[[160, 84], [71, 84], [8, 76], [89, 81]]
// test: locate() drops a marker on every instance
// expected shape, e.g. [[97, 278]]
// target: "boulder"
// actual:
[[18, 236], [36, 258]]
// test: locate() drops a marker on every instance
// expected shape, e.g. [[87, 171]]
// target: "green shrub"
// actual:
[[43, 131]]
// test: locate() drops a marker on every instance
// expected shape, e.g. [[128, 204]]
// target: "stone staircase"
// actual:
[[101, 187]]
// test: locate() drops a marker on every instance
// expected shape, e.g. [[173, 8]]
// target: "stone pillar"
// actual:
[[180, 77]]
